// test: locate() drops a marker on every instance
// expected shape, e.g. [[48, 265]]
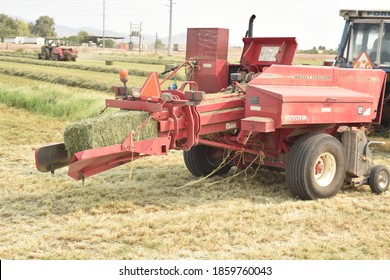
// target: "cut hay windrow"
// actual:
[[115, 70], [59, 79], [107, 129], [66, 65]]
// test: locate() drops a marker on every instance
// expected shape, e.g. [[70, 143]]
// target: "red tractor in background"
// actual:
[[53, 51]]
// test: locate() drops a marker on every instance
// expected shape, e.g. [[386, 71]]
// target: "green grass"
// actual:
[[131, 57], [52, 100], [71, 77], [141, 70]]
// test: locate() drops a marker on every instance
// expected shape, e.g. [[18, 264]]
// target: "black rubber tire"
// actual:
[[301, 163], [46, 53], [379, 179], [199, 161]]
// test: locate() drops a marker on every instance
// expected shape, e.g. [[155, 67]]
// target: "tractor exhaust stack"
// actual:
[[249, 33]]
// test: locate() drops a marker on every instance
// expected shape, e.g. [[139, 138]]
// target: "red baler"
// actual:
[[306, 120]]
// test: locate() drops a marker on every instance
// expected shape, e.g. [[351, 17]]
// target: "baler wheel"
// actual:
[[379, 179], [201, 161], [315, 166]]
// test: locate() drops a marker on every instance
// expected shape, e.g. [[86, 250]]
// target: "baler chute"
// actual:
[[308, 121]]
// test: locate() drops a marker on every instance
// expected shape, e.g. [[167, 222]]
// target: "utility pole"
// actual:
[[16, 27], [104, 24], [155, 44], [140, 37], [136, 31], [170, 29]]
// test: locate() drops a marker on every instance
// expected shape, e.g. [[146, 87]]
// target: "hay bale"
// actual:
[[106, 130]]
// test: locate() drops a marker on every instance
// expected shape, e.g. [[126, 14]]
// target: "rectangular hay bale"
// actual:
[[106, 130]]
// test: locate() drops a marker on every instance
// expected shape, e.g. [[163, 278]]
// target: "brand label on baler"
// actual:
[[231, 125], [255, 108], [254, 102], [292, 118]]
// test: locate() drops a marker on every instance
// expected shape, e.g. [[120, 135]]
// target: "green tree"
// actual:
[[82, 36], [77, 39], [43, 27], [108, 43], [22, 28], [7, 26], [159, 44]]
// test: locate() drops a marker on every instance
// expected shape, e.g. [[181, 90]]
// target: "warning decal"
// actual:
[[363, 61]]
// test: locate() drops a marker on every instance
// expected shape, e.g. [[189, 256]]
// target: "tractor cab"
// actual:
[[365, 43], [365, 32]]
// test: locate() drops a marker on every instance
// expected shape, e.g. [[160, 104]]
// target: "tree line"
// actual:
[[43, 27]]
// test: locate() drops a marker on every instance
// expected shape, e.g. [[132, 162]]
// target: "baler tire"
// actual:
[[315, 166], [379, 179], [200, 163]]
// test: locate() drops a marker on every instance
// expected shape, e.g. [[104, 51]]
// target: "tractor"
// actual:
[[308, 121], [366, 36], [53, 51]]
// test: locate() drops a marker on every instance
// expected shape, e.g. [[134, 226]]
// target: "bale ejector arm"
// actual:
[[172, 109]]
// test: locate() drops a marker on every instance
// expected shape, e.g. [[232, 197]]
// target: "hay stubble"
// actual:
[[153, 217]]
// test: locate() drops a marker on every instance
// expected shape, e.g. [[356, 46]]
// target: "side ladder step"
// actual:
[[258, 124]]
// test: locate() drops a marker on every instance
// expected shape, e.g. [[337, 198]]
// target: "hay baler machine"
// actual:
[[308, 121]]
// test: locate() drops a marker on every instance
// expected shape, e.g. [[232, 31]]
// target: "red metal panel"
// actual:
[[134, 105], [222, 105], [315, 95], [258, 124], [207, 43], [216, 117], [211, 75], [209, 47], [90, 162], [266, 51]]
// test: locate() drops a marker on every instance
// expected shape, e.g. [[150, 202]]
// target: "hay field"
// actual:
[[153, 215]]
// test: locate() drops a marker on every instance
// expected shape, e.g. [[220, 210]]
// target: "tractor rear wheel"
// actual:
[[379, 179], [46, 53], [204, 160], [315, 166]]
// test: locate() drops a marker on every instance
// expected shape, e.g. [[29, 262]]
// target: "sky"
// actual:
[[312, 22]]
